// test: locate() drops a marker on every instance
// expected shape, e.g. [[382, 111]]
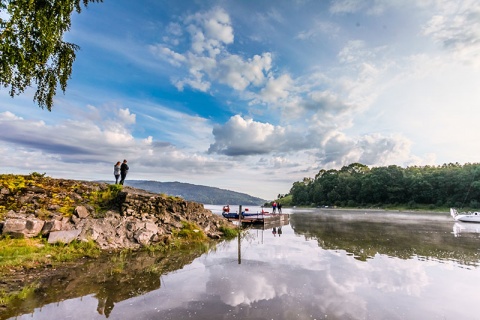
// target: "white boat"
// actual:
[[465, 216]]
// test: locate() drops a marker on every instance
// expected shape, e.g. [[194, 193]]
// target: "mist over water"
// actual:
[[324, 264]]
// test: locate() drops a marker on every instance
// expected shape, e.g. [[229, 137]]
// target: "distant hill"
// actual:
[[196, 193]]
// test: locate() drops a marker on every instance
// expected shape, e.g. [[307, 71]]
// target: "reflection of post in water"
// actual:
[[239, 248], [239, 233]]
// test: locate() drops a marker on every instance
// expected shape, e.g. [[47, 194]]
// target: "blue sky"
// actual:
[[252, 96]]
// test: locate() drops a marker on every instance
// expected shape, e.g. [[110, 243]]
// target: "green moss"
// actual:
[[190, 232], [12, 182], [66, 206], [229, 233]]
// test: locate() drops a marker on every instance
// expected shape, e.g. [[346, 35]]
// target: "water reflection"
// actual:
[[109, 280], [463, 229], [365, 234], [325, 264]]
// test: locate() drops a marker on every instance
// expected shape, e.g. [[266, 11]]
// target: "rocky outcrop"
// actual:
[[67, 210]]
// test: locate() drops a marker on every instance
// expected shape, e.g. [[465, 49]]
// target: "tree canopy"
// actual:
[[449, 185], [32, 48]]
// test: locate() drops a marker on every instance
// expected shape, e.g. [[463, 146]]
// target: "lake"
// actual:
[[323, 264]]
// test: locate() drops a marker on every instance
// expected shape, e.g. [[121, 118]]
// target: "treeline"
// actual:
[[356, 185]]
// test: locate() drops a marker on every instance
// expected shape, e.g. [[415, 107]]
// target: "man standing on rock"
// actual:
[[123, 171]]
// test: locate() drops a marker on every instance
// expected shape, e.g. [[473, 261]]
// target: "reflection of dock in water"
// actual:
[[267, 221], [261, 218]]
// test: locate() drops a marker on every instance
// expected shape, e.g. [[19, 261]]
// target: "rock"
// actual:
[[176, 224], [33, 227], [51, 225], [150, 226], [17, 225], [13, 215], [35, 189], [143, 236], [66, 225], [63, 236], [53, 207], [81, 212], [75, 219], [212, 235]]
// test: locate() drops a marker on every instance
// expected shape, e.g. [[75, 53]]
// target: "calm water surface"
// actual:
[[324, 264]]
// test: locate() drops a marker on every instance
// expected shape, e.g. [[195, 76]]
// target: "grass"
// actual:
[[102, 200], [7, 298], [190, 232], [16, 254], [229, 233]]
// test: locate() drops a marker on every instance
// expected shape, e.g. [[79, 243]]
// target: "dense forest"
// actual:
[[357, 185]]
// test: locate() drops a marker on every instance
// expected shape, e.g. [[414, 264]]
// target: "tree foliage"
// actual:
[[449, 185], [32, 48]]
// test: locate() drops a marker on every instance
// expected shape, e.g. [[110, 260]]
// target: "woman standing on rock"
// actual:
[[116, 171]]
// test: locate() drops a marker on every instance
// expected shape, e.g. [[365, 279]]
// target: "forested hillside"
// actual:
[[197, 193], [448, 185]]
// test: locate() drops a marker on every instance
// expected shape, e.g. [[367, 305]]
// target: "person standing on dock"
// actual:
[[274, 207], [279, 206]]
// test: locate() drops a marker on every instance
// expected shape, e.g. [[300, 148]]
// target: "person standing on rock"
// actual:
[[123, 171], [116, 171]]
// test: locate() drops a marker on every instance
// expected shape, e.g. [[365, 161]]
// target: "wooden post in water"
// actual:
[[240, 216]]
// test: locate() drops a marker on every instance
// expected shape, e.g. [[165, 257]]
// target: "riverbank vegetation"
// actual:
[[31, 253], [390, 187]]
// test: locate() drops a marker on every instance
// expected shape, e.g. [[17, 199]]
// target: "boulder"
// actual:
[[63, 236], [33, 227], [51, 225], [81, 212], [19, 225]]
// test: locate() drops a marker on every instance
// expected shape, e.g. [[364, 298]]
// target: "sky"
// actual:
[[252, 96]]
